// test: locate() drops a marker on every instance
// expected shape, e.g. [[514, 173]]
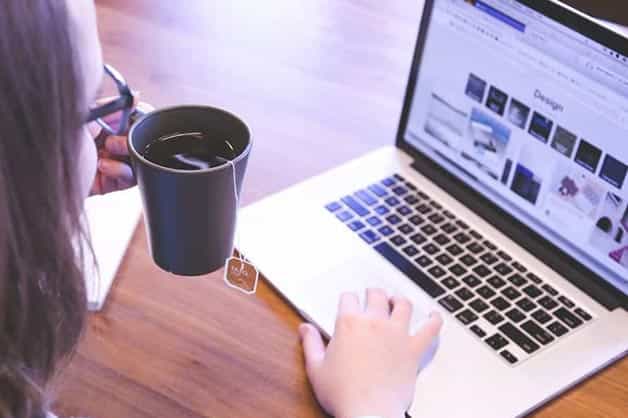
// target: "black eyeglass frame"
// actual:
[[123, 104]]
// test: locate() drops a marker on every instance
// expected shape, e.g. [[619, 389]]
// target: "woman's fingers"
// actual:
[[116, 170], [401, 311], [349, 304], [377, 303], [117, 145], [424, 336]]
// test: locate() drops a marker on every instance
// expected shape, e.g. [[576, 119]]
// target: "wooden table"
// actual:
[[319, 82]]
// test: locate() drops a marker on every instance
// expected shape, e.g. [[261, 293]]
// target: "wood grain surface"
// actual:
[[319, 82]]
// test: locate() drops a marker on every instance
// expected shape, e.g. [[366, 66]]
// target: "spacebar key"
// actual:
[[417, 276]]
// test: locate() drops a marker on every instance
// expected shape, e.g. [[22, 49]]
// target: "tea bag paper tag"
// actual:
[[241, 275]]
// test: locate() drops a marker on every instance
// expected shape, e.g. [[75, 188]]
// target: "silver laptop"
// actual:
[[503, 204]]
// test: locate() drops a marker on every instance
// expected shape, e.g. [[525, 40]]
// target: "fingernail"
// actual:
[[103, 165], [303, 329]]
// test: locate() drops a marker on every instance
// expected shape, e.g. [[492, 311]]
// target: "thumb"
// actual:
[[313, 348]]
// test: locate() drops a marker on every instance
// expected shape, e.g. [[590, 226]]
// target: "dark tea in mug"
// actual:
[[189, 151]]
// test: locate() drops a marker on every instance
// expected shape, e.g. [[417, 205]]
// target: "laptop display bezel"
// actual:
[[565, 264]]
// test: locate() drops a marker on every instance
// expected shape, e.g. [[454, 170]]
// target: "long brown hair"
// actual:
[[42, 293]]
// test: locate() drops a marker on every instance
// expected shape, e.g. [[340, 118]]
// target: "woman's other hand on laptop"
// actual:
[[371, 363]]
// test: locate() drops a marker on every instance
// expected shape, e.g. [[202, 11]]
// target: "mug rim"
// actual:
[[139, 157]]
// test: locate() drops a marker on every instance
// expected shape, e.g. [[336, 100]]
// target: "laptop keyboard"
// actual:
[[512, 310]]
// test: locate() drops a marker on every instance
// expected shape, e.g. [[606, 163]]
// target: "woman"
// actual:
[[51, 72]]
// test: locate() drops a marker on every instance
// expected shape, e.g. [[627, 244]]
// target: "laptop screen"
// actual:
[[534, 116]]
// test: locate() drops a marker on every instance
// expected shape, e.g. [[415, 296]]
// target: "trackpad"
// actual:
[[319, 303]]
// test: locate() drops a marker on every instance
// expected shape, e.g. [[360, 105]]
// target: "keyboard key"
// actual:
[[457, 270], [489, 258], [406, 229], [511, 293], [519, 267], [565, 301], [568, 318], [475, 234], [504, 256], [532, 291], [468, 260], [497, 342], [583, 314], [450, 303], [382, 210], [557, 329], [366, 197], [393, 219], [378, 190], [475, 248], [356, 226], [417, 276], [537, 332], [481, 271], [441, 239], [423, 209], [479, 305], [541, 316], [462, 238], [374, 221], [444, 259], [503, 269], [517, 280], [431, 249], [534, 278], [410, 251], [410, 186], [424, 261], [404, 210], [519, 338], [464, 294], [462, 225], [547, 302], [411, 200], [355, 206], [497, 282], [489, 245], [467, 317], [422, 195], [510, 358], [454, 250], [486, 292], [399, 177], [478, 331], [437, 272], [515, 315], [526, 305], [416, 220], [436, 218], [389, 182], [448, 214], [386, 230], [549, 289], [500, 303], [369, 236], [493, 317], [344, 216], [333, 207], [392, 201], [471, 281], [418, 238], [400, 190], [450, 283], [448, 228], [398, 240], [429, 229]]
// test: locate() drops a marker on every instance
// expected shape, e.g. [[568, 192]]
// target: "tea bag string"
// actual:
[[237, 204]]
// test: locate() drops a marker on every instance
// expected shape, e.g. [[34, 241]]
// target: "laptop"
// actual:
[[503, 204]]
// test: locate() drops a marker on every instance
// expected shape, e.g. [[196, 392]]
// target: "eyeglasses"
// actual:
[[122, 101]]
